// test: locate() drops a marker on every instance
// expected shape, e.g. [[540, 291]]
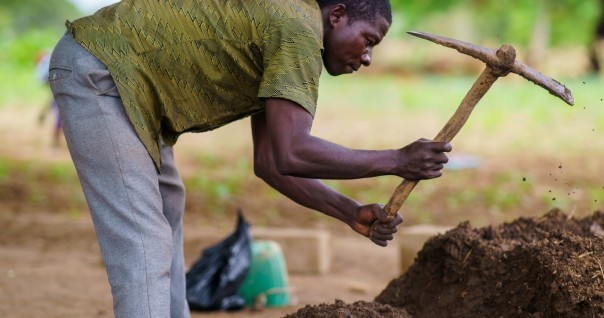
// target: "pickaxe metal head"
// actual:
[[489, 56]]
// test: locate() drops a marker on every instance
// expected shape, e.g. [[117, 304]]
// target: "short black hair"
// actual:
[[363, 9]]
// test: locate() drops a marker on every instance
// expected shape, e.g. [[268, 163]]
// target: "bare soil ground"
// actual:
[[50, 264], [51, 267]]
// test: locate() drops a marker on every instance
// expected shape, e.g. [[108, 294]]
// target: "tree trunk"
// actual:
[[540, 37], [595, 52]]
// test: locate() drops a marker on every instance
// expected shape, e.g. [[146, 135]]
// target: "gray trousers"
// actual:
[[137, 213]]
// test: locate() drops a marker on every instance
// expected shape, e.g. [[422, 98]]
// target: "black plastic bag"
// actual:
[[214, 279]]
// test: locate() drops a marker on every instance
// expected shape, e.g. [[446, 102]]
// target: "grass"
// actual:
[[521, 134], [513, 106]]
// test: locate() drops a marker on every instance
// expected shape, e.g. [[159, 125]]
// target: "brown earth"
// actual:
[[532, 267], [357, 309]]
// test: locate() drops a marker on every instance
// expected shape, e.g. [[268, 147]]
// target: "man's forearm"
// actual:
[[321, 159], [297, 153], [283, 130], [313, 194]]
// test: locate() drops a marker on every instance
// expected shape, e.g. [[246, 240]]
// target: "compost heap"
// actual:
[[552, 266]]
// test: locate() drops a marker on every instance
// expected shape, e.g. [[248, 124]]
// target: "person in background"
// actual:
[[135, 75], [42, 65]]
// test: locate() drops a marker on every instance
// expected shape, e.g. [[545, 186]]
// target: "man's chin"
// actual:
[[333, 72], [334, 68]]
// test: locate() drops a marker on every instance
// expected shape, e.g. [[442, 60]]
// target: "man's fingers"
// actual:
[[385, 225], [442, 146], [384, 229], [392, 223], [433, 174], [447, 147], [382, 237], [379, 239], [438, 146], [437, 167], [381, 233], [382, 216], [379, 242], [441, 158]]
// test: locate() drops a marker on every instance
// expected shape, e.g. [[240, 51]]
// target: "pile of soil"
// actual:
[[551, 266], [359, 309]]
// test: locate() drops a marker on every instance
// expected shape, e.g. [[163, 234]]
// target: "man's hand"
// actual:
[[423, 159], [366, 215]]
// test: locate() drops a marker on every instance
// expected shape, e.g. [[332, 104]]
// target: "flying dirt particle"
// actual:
[[583, 82], [523, 178], [560, 167], [553, 199]]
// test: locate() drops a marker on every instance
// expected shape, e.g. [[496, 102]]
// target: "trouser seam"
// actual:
[[128, 190]]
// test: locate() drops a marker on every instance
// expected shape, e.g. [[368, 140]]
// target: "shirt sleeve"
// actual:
[[292, 64]]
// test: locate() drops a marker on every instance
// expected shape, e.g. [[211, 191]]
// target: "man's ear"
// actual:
[[337, 14]]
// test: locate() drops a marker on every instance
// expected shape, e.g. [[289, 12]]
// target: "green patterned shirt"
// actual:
[[195, 65]]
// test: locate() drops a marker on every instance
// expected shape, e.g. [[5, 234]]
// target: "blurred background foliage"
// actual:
[[30, 26], [519, 175], [561, 22], [558, 37]]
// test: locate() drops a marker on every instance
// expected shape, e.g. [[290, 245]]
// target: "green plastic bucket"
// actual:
[[266, 283]]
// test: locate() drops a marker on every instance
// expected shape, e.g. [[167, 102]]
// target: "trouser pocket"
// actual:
[[102, 83], [58, 72]]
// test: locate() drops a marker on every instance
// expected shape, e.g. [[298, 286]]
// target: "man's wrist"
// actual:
[[348, 210]]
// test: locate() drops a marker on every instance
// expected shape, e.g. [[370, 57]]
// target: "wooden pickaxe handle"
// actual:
[[446, 134], [506, 56]]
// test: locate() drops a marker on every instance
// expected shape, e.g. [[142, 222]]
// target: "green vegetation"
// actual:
[[516, 21], [28, 28]]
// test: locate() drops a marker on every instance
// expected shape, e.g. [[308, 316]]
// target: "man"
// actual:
[[135, 75]]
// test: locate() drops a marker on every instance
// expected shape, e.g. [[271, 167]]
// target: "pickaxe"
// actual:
[[499, 63]]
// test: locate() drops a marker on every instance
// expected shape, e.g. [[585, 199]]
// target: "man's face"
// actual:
[[348, 46]]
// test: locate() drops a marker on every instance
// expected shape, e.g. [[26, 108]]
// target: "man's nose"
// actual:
[[366, 58]]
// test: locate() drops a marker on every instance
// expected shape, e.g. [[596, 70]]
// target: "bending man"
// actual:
[[132, 77]]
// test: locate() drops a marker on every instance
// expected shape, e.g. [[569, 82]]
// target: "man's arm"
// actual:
[[297, 153], [314, 194], [289, 159]]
